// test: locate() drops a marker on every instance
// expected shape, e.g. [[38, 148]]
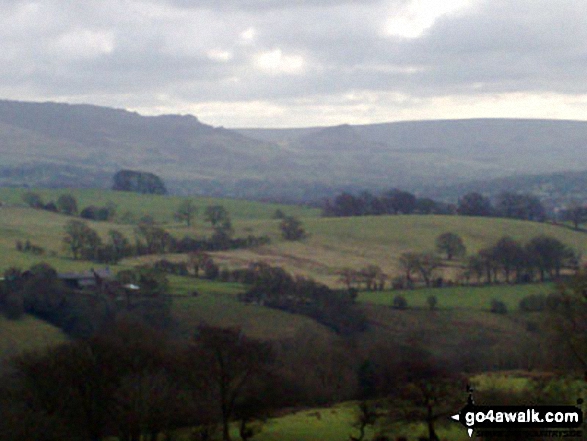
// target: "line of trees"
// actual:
[[507, 260], [67, 204], [390, 202], [275, 288], [507, 204], [542, 257], [134, 383], [82, 242]]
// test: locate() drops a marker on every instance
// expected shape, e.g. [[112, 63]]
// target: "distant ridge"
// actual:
[[51, 143]]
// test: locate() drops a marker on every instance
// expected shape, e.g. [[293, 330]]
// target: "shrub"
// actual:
[[278, 214], [553, 301], [533, 303], [224, 275], [50, 206], [28, 247], [399, 302], [291, 228], [498, 307], [33, 200], [13, 306], [211, 270], [432, 302]]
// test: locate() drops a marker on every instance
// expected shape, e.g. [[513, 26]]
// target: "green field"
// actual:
[[356, 242], [336, 423], [460, 297], [27, 334], [332, 243], [217, 305], [461, 318], [161, 208]]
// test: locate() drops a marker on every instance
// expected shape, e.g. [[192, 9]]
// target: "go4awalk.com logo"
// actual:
[[513, 418]]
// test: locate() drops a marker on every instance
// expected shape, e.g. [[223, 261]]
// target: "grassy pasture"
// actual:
[[335, 423], [335, 243], [332, 243], [460, 297], [217, 305], [27, 334], [45, 229], [161, 208]]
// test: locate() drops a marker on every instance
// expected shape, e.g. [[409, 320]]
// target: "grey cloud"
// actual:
[[496, 46], [264, 5]]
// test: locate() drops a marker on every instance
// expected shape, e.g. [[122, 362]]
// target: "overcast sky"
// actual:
[[292, 63]]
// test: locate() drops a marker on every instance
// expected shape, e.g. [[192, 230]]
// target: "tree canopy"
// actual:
[[138, 182]]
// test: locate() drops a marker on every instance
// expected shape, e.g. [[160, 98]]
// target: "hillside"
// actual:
[[45, 228], [100, 139], [335, 243], [437, 152], [27, 334], [332, 244], [460, 328], [555, 190], [58, 145]]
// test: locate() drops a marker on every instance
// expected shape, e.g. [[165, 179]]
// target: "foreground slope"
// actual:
[[27, 334]]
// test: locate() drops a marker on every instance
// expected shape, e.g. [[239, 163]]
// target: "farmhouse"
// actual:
[[91, 279]]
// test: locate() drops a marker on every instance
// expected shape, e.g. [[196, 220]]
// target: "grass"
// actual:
[[332, 423], [46, 230], [185, 286], [27, 334], [217, 304], [460, 297], [335, 243], [335, 423], [162, 208]]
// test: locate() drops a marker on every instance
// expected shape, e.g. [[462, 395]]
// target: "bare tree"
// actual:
[[186, 211], [230, 362]]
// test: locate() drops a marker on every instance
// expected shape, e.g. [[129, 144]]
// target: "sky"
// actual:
[[296, 63]]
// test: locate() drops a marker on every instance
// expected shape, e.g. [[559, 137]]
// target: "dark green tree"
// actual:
[[292, 229], [549, 255], [67, 204], [509, 255], [139, 182], [429, 393], [519, 206], [156, 239], [425, 264], [119, 243], [474, 204], [216, 215], [398, 201], [575, 213], [451, 244], [80, 240], [33, 199]]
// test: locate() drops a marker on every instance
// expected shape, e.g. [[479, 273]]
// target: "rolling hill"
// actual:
[[59, 145], [462, 319], [332, 243]]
